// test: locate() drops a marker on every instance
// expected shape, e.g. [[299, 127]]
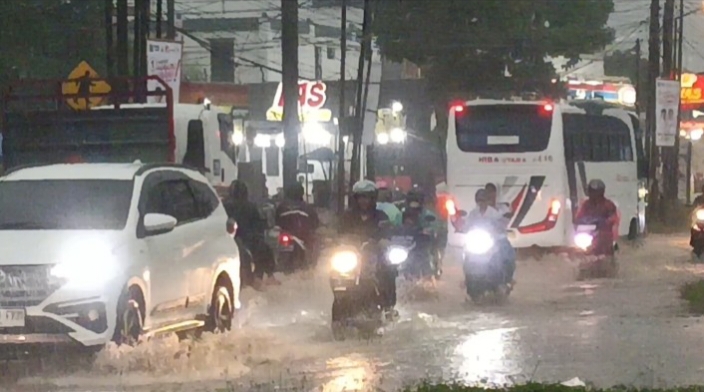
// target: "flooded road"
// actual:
[[631, 330]]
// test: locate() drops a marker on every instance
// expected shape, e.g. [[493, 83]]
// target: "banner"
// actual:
[[667, 103], [164, 61]]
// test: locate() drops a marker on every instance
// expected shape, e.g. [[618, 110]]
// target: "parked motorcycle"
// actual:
[[484, 272], [357, 300], [593, 264], [696, 239]]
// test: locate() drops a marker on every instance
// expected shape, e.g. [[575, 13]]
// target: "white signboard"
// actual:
[[666, 106], [164, 61]]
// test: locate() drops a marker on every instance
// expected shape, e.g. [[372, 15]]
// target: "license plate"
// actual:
[[11, 318], [287, 249]]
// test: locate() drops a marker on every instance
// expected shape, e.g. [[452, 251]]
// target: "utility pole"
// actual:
[[289, 53], [653, 73], [109, 38], [137, 41], [171, 19], [122, 49], [670, 172], [365, 47], [341, 186], [639, 85], [680, 71], [159, 14]]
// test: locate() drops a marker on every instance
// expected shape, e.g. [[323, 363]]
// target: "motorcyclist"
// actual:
[[385, 203], [503, 220], [251, 227], [365, 221], [695, 236], [415, 205], [602, 210], [298, 218]]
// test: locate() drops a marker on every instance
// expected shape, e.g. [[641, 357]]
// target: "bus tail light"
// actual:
[[548, 223]]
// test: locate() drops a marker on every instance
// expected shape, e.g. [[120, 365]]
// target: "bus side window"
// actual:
[[195, 148]]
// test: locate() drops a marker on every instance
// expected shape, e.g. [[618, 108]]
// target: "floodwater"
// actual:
[[631, 330]]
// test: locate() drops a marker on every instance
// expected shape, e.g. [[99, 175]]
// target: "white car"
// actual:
[[93, 253]]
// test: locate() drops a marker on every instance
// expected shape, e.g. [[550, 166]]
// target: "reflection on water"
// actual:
[[488, 357], [350, 374]]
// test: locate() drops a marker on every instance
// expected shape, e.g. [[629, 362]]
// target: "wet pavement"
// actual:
[[632, 330]]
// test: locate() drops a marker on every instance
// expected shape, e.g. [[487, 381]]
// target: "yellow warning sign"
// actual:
[[84, 81]]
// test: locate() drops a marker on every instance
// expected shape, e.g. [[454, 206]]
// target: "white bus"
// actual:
[[541, 155]]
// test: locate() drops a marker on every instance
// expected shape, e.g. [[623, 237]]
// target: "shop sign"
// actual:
[[312, 96]]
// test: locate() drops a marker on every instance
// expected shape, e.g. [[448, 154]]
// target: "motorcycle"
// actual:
[[358, 301], [696, 239], [593, 264], [484, 272], [423, 258], [291, 251]]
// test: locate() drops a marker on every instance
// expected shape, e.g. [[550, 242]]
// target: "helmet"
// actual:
[[238, 190], [596, 188], [364, 187], [295, 192]]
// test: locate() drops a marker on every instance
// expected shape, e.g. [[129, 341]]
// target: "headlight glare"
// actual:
[[478, 242], [345, 261], [700, 214], [397, 255], [583, 240], [87, 265]]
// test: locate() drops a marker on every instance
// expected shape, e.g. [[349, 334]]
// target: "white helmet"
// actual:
[[364, 187]]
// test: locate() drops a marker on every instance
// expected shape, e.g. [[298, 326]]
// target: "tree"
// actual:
[[626, 64], [469, 45], [47, 38]]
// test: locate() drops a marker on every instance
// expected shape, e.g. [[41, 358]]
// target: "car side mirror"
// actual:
[[159, 223], [462, 213]]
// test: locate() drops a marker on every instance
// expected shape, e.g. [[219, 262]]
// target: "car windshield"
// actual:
[[65, 204]]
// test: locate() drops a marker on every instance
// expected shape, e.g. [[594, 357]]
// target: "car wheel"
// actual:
[[129, 325], [221, 310]]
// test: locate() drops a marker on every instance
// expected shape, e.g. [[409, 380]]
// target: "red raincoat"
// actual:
[[608, 233]]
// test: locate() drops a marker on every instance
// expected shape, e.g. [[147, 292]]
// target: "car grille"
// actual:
[[26, 285]]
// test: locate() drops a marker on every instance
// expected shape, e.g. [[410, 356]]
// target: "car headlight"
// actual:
[[583, 240], [86, 265], [478, 242], [344, 262], [397, 255], [699, 215]]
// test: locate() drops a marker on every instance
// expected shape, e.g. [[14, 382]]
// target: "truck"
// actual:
[[40, 127]]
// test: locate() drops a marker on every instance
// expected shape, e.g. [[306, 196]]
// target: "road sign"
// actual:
[[84, 80]]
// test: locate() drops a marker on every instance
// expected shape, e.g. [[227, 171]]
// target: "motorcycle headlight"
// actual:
[[87, 265], [583, 240], [478, 242], [344, 262], [699, 215], [397, 255]]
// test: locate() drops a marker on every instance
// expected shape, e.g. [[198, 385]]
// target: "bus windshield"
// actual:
[[504, 128]]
